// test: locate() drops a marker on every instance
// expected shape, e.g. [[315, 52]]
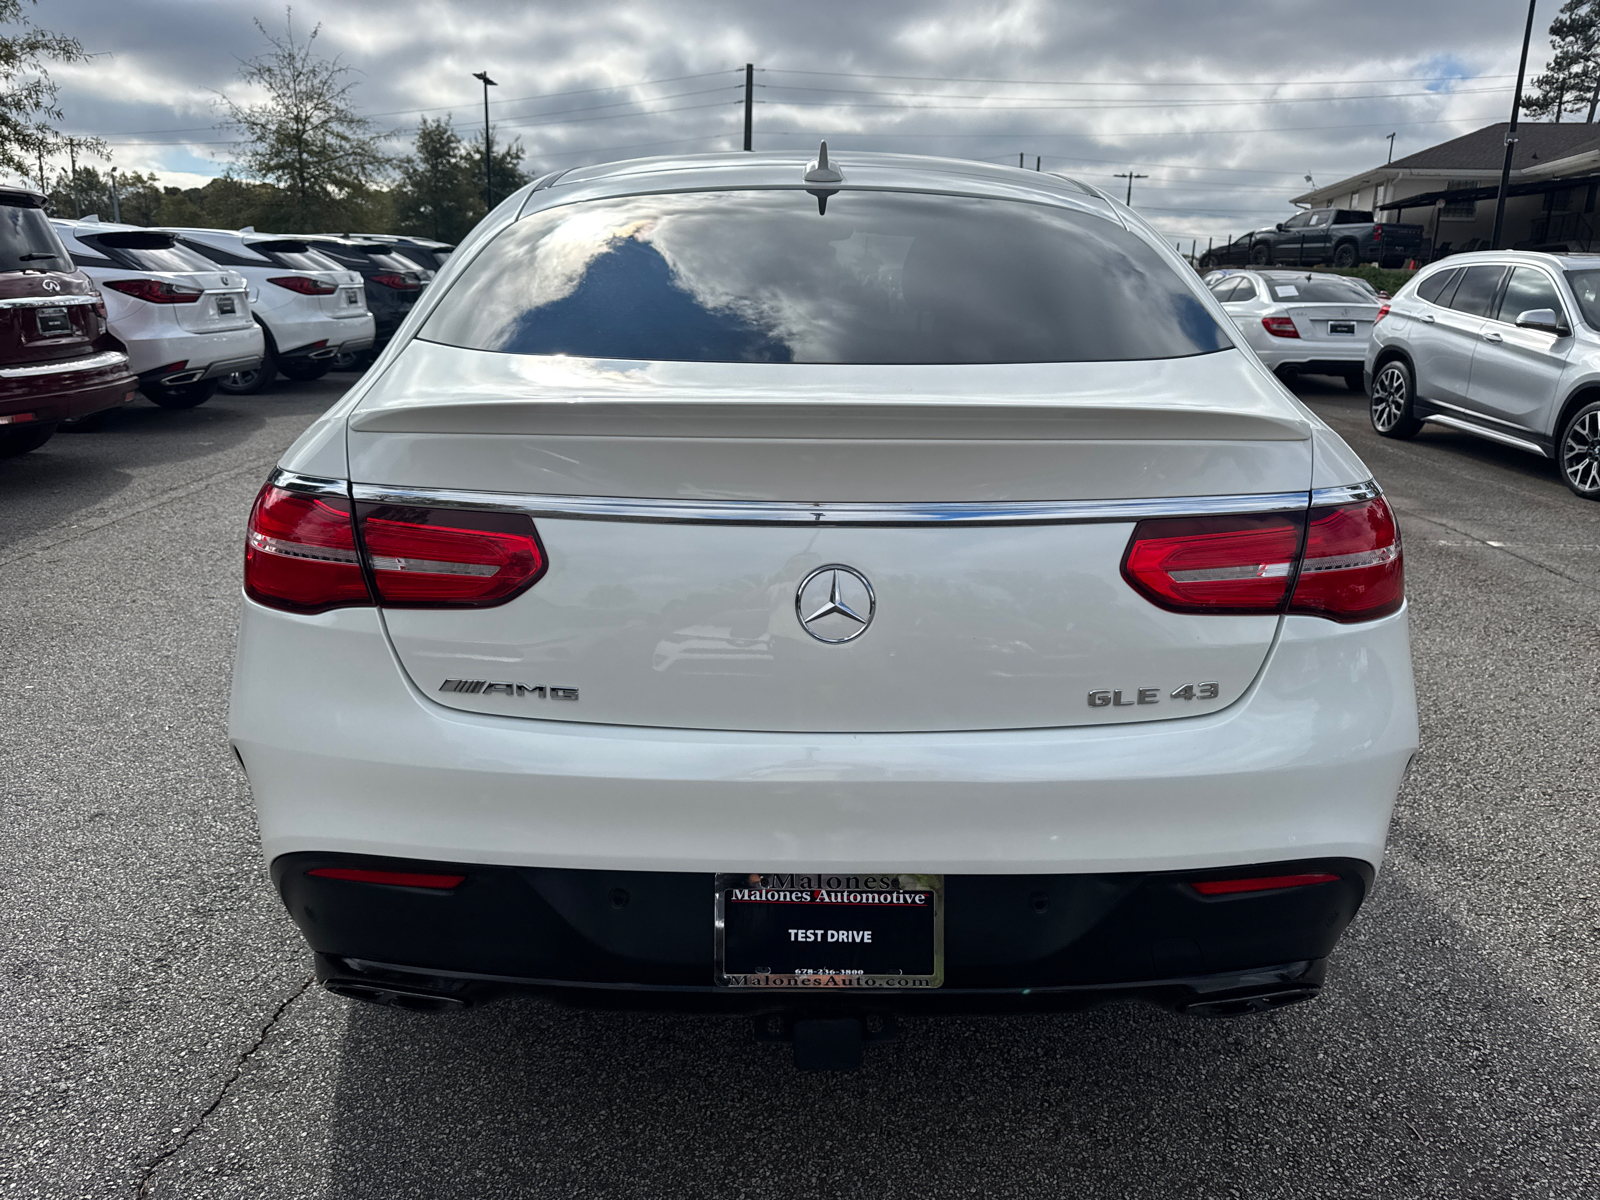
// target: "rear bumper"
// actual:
[[1313, 357], [50, 393], [628, 939], [344, 755]]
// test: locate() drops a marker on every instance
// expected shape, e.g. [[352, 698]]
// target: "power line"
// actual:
[[1172, 133], [1100, 106], [1129, 82]]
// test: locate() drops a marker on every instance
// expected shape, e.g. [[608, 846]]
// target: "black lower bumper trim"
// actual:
[[631, 939]]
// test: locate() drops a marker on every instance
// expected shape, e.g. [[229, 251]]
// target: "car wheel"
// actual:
[[1392, 392], [249, 383], [1261, 255], [1207, 263], [19, 441], [304, 370], [1579, 454], [183, 395], [1345, 255], [1354, 381], [347, 360]]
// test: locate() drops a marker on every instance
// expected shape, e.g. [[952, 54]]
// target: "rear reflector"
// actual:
[[300, 553], [1280, 327], [392, 878], [1352, 570], [1349, 568], [1214, 564], [17, 418], [437, 557], [1262, 883]]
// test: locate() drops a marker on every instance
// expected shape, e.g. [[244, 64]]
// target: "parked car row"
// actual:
[[91, 312]]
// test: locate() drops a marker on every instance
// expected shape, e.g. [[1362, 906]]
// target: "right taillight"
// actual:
[[1352, 569], [1342, 563]]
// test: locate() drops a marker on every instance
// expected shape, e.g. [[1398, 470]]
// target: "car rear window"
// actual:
[[1318, 289], [147, 251], [28, 242], [1475, 293], [296, 255], [879, 277]]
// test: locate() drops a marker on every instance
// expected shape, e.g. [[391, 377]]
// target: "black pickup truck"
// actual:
[[1345, 237]]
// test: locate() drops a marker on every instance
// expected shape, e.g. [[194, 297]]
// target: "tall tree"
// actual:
[[28, 94], [505, 170], [1571, 79], [434, 196], [306, 137]]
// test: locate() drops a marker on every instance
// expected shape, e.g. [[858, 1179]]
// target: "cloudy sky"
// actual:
[[1226, 107]]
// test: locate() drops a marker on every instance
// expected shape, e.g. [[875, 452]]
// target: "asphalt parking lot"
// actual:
[[163, 1038]]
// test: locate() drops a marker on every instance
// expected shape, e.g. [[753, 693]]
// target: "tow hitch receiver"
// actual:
[[826, 1043]]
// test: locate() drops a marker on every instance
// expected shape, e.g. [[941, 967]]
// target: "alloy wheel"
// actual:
[[1580, 452], [1388, 398]]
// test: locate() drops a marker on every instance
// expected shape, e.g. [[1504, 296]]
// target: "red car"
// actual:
[[57, 362]]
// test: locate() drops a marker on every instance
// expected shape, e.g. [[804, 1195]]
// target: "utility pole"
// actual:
[[1130, 177], [1511, 136], [1390, 159], [1022, 160], [116, 203], [749, 103], [488, 171], [1037, 159], [72, 158]]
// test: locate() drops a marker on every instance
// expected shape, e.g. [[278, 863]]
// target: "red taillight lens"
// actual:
[[1377, 232], [1280, 327], [304, 284], [1214, 564], [446, 557], [157, 291], [300, 554], [392, 878], [1352, 569], [1261, 883], [1382, 313], [399, 282]]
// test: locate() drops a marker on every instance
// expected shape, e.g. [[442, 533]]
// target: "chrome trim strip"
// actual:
[[1476, 416], [1493, 435], [786, 512], [1354, 493], [63, 366], [310, 485], [48, 301]]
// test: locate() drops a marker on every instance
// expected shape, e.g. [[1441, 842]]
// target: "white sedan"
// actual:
[[1301, 322], [819, 591]]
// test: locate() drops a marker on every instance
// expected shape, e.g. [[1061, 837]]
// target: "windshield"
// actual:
[[28, 243], [1586, 287], [1318, 289], [879, 277]]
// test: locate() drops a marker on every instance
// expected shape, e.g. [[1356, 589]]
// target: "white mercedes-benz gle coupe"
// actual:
[[823, 592]]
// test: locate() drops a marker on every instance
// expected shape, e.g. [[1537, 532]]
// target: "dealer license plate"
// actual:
[[821, 930], [1342, 327], [225, 306], [351, 296], [52, 322]]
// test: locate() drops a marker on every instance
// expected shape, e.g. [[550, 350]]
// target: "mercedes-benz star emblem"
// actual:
[[835, 604]]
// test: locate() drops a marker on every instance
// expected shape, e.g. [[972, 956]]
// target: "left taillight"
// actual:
[[1382, 313], [1280, 327], [300, 553], [303, 554], [443, 557], [157, 291]]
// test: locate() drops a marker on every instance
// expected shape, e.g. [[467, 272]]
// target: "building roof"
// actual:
[[1485, 149]]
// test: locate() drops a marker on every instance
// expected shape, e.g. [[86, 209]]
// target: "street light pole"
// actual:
[[116, 203], [488, 174], [1511, 136], [1390, 159]]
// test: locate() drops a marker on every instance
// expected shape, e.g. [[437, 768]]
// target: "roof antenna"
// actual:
[[820, 172]]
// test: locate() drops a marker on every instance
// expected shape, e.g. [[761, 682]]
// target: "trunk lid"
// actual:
[[1348, 325], [45, 316], [993, 605]]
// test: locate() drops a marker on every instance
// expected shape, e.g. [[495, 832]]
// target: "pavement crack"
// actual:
[[146, 1184]]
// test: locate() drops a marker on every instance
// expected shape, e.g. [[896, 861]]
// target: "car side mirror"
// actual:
[[1543, 319], [1281, 227]]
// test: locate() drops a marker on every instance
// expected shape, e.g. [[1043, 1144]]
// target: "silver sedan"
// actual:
[[1300, 322]]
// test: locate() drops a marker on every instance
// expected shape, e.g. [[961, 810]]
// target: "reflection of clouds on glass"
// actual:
[[882, 277]]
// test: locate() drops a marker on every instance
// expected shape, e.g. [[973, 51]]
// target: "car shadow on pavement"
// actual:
[[1423, 1071], [77, 474]]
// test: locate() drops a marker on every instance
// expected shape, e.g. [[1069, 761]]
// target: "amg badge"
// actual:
[[486, 687]]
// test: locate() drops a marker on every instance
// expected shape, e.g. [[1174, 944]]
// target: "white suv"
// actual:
[[822, 592], [185, 321], [313, 309]]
